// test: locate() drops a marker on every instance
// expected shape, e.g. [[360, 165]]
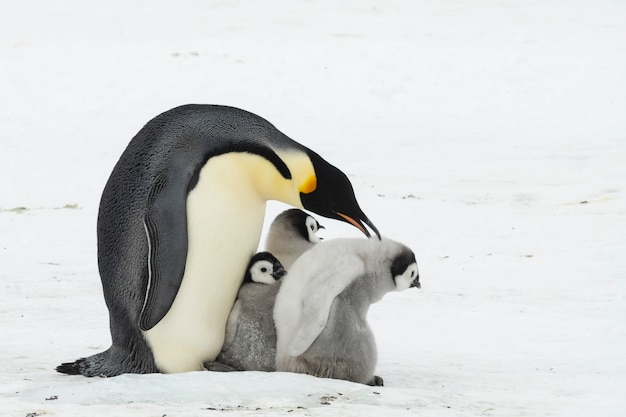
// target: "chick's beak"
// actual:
[[279, 272], [416, 283]]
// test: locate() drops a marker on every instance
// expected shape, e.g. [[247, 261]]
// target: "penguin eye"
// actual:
[[412, 274], [264, 269]]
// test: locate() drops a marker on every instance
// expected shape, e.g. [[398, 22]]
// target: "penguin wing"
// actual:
[[318, 296], [231, 326], [165, 222]]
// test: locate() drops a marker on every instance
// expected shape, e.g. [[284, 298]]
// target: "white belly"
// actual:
[[224, 221]]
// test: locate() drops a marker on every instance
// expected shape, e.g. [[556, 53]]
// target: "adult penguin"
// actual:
[[179, 219]]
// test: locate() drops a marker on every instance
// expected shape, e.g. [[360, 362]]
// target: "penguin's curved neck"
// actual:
[[258, 175], [303, 179]]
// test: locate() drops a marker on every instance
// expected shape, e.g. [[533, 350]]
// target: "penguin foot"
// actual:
[[111, 362], [376, 381], [218, 367]]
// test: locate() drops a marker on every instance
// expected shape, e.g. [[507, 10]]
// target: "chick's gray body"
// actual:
[[250, 343], [346, 348], [321, 309]]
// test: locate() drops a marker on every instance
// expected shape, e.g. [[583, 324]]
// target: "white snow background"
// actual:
[[490, 136]]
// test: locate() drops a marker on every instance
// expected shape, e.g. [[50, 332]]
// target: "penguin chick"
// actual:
[[263, 268], [250, 341], [321, 308], [291, 234]]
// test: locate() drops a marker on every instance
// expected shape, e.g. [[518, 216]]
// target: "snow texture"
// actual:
[[489, 136]]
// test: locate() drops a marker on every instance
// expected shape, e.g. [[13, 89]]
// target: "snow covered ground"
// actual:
[[490, 136]]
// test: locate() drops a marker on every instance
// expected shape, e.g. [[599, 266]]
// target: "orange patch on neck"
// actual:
[[309, 185]]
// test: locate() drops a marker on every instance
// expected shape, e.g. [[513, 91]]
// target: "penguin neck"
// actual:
[[303, 179], [251, 173], [230, 187]]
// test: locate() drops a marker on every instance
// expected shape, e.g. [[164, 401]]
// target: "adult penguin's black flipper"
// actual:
[[166, 229]]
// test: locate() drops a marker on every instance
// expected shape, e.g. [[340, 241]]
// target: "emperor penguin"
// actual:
[[292, 233], [320, 312], [180, 216], [250, 342]]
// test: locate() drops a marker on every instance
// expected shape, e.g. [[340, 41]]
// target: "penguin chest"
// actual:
[[224, 221]]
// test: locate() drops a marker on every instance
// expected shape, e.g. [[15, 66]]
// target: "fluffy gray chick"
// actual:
[[292, 233], [250, 341], [321, 308]]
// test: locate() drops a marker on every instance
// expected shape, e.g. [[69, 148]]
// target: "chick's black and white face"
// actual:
[[404, 270], [312, 227], [265, 272], [407, 279]]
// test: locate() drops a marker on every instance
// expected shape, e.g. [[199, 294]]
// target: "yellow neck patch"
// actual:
[[309, 185], [303, 179]]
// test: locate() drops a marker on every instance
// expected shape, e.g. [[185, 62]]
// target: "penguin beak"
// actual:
[[358, 223], [416, 283], [319, 227], [279, 272], [334, 197]]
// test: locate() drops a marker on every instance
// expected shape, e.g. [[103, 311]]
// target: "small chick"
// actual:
[[292, 233], [250, 341]]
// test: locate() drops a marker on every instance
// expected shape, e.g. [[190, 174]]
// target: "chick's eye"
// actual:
[[264, 269], [412, 274]]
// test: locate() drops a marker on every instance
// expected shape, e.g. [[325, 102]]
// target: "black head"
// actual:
[[404, 270], [304, 224], [264, 268], [333, 196]]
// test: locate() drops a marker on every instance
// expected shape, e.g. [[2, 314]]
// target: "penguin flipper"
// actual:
[[231, 326], [318, 296], [165, 222]]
